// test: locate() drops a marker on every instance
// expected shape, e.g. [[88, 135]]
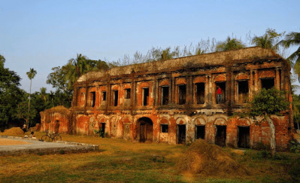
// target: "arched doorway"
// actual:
[[145, 129]]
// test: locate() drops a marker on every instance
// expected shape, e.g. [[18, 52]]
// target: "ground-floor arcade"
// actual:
[[179, 128]]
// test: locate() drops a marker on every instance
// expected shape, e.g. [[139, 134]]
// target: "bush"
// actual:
[[61, 151], [294, 147]]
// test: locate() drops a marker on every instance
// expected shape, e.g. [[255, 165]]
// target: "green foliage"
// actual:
[[294, 147], [22, 111], [61, 151], [99, 132], [10, 94], [31, 74], [230, 44], [268, 40], [268, 102]]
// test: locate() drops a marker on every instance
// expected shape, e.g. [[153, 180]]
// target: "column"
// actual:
[[255, 81], [277, 79], [250, 84], [206, 89]]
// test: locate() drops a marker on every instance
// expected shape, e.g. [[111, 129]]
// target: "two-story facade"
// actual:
[[175, 101]]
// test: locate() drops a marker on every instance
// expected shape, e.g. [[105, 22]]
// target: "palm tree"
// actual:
[[268, 40], [292, 39], [230, 44], [30, 75]]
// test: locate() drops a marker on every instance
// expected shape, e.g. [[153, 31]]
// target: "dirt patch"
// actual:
[[15, 131], [209, 160], [7, 142]]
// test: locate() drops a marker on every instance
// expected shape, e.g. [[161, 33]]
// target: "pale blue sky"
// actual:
[[42, 34]]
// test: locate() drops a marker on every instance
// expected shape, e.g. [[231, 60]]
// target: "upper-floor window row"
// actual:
[[181, 93]]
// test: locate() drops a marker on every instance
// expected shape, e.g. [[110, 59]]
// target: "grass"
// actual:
[[119, 160]]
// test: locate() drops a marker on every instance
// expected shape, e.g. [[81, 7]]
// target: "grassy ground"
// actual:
[[124, 161]]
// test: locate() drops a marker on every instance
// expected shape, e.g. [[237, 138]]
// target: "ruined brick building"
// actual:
[[175, 101]]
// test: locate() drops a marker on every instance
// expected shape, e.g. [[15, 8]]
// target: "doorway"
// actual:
[[221, 135], [102, 130], [243, 91], [222, 86], [181, 133], [244, 137], [200, 132], [145, 129], [200, 92]]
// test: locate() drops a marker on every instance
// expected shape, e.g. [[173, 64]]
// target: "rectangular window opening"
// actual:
[[145, 96], [221, 135], [267, 83], [93, 98], [243, 91], [165, 95], [164, 128], [182, 94], [244, 137], [181, 133], [200, 132], [116, 98], [200, 92], [220, 92], [104, 96], [127, 93]]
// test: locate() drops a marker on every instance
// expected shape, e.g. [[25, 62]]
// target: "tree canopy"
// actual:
[[230, 44]]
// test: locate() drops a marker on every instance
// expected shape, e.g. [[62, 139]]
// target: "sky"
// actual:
[[43, 34]]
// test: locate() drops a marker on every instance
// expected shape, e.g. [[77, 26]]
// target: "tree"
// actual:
[[23, 112], [10, 94], [31, 74], [229, 44], [268, 40], [266, 103], [293, 39]]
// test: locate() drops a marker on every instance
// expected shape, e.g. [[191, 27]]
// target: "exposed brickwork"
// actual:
[[175, 101]]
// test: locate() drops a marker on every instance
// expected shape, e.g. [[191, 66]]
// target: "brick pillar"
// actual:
[[156, 90], [282, 80], [236, 88], [213, 90], [173, 90], [255, 81], [210, 89], [206, 89], [189, 84], [250, 84], [277, 79], [232, 88]]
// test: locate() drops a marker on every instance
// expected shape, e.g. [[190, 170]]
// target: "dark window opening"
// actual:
[[164, 128], [102, 130], [165, 95], [221, 98], [200, 92], [93, 98], [181, 134], [182, 94], [145, 96], [244, 137], [221, 135], [243, 90], [116, 98], [127, 93], [104, 95], [200, 132], [267, 83]]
